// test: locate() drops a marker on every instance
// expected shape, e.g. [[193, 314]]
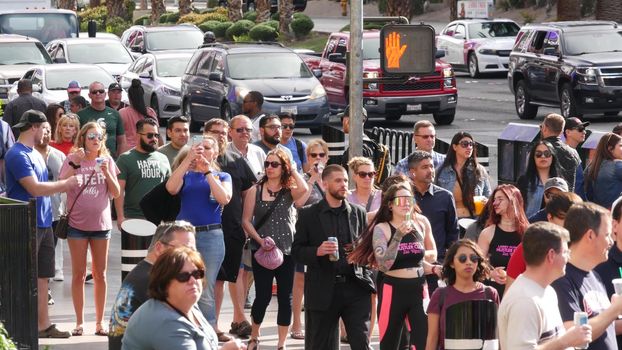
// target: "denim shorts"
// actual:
[[74, 233]]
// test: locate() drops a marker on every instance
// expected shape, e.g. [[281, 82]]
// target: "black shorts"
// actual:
[[233, 257], [45, 252]]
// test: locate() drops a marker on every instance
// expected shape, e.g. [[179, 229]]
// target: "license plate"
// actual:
[[413, 108], [289, 109]]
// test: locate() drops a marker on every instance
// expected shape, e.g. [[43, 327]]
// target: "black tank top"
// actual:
[[502, 245], [410, 252]]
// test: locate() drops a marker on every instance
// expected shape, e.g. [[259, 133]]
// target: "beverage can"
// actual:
[[334, 256], [98, 164], [580, 319]]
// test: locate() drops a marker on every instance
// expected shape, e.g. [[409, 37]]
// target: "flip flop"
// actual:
[[101, 332], [297, 334], [78, 331]]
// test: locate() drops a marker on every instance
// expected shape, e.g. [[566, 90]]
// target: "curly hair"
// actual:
[[287, 179], [483, 267]]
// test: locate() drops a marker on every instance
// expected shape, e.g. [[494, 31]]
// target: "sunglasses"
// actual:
[[403, 201], [95, 92], [466, 144], [288, 126], [426, 136], [92, 136], [364, 174], [580, 128], [184, 277], [315, 155], [273, 164], [243, 130], [151, 135], [462, 258], [543, 154]]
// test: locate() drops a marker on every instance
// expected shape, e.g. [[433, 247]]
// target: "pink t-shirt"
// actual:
[[130, 116], [92, 209]]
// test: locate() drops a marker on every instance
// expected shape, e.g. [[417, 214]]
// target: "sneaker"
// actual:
[[59, 276], [52, 332], [50, 299]]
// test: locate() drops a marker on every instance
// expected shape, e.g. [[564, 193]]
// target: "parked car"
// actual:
[[478, 45], [49, 82], [574, 66], [142, 39], [219, 76], [250, 5], [109, 54], [160, 74], [100, 35], [17, 55], [434, 93]]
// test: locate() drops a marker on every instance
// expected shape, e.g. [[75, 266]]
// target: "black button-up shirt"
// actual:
[[338, 217]]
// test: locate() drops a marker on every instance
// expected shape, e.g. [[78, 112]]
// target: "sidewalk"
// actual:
[[62, 313]]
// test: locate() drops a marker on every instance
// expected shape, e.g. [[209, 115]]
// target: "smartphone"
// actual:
[[197, 140]]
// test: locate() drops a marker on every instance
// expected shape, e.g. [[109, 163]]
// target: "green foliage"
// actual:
[[98, 14], [382, 6], [275, 16], [242, 38], [221, 29], [504, 5], [239, 28], [588, 7], [117, 25], [130, 6], [165, 17], [263, 32], [209, 26], [527, 17], [5, 340], [250, 15], [272, 23], [212, 3], [366, 26], [297, 15], [140, 20], [301, 25], [198, 18]]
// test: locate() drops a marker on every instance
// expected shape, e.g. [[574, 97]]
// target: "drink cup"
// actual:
[[98, 164], [580, 319], [480, 203], [617, 285], [334, 256]]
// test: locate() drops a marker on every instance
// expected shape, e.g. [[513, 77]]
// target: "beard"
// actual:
[[273, 140], [337, 194], [148, 147]]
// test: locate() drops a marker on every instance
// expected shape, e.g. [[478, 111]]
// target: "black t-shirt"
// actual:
[[584, 291], [132, 295], [242, 179]]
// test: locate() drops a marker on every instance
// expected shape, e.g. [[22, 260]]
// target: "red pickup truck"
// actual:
[[434, 93]]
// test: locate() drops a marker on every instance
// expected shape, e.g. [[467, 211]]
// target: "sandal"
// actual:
[[222, 338], [254, 341], [78, 331], [242, 329], [100, 330], [297, 334]]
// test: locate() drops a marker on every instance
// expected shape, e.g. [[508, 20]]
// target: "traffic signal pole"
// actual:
[[355, 77]]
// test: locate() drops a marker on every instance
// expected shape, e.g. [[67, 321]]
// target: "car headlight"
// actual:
[[370, 86], [169, 91], [318, 92], [487, 51], [587, 76], [241, 92], [448, 72]]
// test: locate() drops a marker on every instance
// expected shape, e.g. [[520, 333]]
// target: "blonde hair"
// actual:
[[317, 142], [66, 118], [183, 153], [355, 163]]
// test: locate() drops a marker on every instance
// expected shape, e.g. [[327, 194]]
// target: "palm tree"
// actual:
[[453, 10], [610, 10], [143, 4], [94, 3], [399, 8], [185, 7], [263, 10], [568, 10], [116, 8], [234, 10], [286, 11], [157, 9], [67, 4]]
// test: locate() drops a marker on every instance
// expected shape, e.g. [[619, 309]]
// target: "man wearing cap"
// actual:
[[107, 117], [567, 157], [553, 185], [424, 139], [114, 97], [27, 178], [24, 102], [574, 133], [73, 89]]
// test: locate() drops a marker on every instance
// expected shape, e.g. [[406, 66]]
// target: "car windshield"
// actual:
[[23, 53], [579, 43], [58, 79], [98, 52], [174, 40], [371, 49], [493, 29], [172, 66], [267, 66], [43, 26]]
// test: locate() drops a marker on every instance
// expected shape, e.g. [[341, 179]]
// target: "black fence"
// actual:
[[18, 271]]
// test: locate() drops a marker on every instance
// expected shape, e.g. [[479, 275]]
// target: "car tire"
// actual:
[[444, 118], [567, 103], [522, 102], [194, 126], [393, 116], [473, 66], [225, 111]]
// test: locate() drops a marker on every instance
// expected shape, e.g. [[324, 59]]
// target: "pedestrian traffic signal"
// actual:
[[407, 49]]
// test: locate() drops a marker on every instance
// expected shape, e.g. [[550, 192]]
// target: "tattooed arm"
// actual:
[[385, 250]]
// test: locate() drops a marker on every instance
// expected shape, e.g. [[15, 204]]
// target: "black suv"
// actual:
[[142, 39], [576, 66]]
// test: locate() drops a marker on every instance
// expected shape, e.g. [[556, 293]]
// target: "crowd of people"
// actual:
[[250, 210]]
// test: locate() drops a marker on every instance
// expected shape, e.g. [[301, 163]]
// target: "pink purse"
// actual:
[[269, 255]]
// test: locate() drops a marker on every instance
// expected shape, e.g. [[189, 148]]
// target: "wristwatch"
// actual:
[[74, 165]]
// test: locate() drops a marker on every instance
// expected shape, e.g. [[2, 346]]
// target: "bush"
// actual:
[[298, 15], [215, 16], [301, 26], [212, 3], [275, 16], [250, 15], [527, 17], [272, 23], [263, 32], [239, 28], [5, 340], [117, 25], [98, 14], [209, 26], [366, 26], [221, 29], [164, 18], [198, 18], [242, 38], [140, 20]]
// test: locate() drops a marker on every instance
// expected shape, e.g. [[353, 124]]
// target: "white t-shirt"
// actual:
[[528, 316], [254, 155]]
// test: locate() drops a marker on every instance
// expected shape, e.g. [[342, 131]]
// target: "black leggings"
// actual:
[[263, 290], [400, 300]]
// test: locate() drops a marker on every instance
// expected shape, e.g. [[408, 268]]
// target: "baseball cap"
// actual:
[[346, 113], [556, 182], [574, 122], [115, 86], [30, 117], [74, 86]]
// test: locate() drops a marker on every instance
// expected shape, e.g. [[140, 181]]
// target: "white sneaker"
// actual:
[[59, 276]]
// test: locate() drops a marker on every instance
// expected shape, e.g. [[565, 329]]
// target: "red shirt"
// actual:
[[517, 265], [64, 147]]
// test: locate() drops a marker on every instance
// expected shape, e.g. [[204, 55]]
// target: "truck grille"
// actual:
[[613, 81], [611, 76], [420, 85]]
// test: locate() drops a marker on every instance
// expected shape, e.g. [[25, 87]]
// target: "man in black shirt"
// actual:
[[567, 157], [333, 289], [25, 101]]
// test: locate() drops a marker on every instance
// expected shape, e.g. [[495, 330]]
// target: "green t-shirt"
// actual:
[[169, 151], [108, 119], [141, 172]]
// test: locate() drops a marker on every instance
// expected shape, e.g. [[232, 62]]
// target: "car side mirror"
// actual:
[[550, 51], [216, 76], [136, 49], [146, 75], [317, 73], [440, 53], [59, 60], [337, 58], [36, 88]]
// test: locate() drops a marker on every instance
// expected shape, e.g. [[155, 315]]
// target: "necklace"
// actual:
[[273, 193]]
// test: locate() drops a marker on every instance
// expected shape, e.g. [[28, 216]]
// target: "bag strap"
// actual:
[[370, 200], [264, 218], [79, 193], [299, 149]]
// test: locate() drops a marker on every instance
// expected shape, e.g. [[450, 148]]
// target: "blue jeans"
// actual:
[[211, 245]]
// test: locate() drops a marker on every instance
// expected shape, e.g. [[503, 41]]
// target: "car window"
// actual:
[[332, 44], [98, 52], [137, 65], [522, 40], [274, 65], [174, 40], [538, 41], [148, 67], [191, 68], [371, 49], [493, 29], [551, 44], [342, 46], [60, 52], [172, 67], [205, 65], [36, 77], [450, 30], [218, 64], [56, 79], [28, 74], [460, 30], [23, 53], [578, 43]]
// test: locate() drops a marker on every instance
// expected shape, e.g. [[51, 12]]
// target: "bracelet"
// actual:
[[74, 165], [208, 172]]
